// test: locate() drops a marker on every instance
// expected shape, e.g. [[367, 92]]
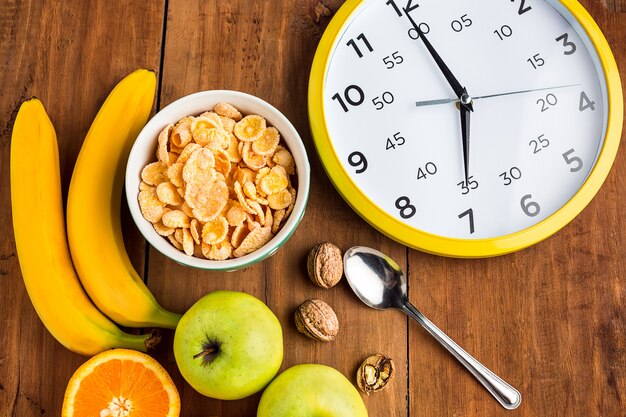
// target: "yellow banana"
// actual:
[[39, 228], [93, 208]]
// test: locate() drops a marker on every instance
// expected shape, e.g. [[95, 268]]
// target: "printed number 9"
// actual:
[[358, 160]]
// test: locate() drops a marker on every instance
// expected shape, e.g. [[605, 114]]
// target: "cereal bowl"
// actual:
[[144, 152]]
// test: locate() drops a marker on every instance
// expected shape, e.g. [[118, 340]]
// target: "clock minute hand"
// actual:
[[461, 92], [465, 134], [458, 89]]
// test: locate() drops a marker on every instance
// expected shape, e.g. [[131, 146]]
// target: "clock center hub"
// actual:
[[466, 99]]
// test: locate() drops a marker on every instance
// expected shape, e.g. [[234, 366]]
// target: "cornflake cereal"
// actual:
[[221, 185]]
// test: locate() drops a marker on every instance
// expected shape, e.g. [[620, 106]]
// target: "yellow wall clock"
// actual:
[[466, 129]]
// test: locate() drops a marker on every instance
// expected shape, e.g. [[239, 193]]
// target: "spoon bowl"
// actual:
[[379, 282], [375, 278]]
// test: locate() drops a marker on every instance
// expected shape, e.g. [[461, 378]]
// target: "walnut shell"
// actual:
[[374, 373], [317, 320], [325, 265]]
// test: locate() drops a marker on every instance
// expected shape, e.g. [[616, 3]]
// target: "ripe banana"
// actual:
[[44, 257], [93, 208]]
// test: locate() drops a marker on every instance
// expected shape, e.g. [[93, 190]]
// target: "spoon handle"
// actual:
[[506, 395]]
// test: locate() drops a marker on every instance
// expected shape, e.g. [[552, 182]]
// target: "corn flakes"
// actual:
[[250, 128], [175, 242], [164, 137], [175, 219], [255, 240], [151, 207], [284, 158], [267, 143], [167, 193], [175, 174], [221, 186], [188, 246], [215, 231], [227, 110], [195, 228], [181, 134], [154, 173], [279, 215], [277, 180]]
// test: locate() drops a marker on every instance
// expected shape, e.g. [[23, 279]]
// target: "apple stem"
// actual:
[[205, 352]]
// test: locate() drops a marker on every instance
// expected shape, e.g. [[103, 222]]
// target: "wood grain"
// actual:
[[549, 319], [70, 55]]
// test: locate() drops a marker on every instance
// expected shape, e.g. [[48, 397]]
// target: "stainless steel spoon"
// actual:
[[378, 281]]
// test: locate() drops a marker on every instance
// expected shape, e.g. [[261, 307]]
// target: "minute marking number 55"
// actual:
[[391, 63]]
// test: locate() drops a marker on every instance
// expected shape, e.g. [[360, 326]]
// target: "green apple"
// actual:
[[311, 391], [228, 345]]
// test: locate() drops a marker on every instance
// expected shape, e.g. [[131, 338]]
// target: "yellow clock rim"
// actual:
[[463, 248]]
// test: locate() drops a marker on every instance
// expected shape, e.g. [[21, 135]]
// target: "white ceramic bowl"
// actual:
[[144, 152]]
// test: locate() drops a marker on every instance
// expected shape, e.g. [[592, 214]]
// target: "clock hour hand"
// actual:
[[436, 102], [458, 89], [509, 93]]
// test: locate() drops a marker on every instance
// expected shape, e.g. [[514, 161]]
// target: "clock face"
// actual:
[[538, 122]]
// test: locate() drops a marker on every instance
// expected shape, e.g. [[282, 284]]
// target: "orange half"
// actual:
[[121, 383]]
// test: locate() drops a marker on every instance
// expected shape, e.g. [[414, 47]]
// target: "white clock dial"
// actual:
[[530, 151]]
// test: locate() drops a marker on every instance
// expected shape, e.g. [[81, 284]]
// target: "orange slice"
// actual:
[[121, 383]]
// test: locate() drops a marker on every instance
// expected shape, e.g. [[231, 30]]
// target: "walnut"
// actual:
[[317, 320], [325, 265], [374, 373]]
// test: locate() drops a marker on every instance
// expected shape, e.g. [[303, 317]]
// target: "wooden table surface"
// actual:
[[549, 319]]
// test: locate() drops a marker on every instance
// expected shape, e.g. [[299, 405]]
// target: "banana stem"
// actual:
[[142, 343]]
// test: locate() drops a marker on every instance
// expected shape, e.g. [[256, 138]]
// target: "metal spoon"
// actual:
[[378, 281]]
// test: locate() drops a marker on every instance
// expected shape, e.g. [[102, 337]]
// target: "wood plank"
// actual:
[[266, 49], [548, 319], [69, 54], [616, 5]]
